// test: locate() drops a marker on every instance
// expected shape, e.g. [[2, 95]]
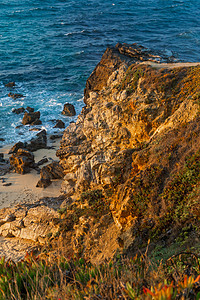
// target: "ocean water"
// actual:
[[49, 48]]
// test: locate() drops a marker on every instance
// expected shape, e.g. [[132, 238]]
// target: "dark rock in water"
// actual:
[[30, 109], [10, 84], [19, 126], [38, 142], [59, 124], [18, 110], [16, 146], [55, 136], [2, 157], [41, 162], [2, 140], [34, 129], [43, 183], [69, 110], [31, 117], [36, 122], [52, 171], [15, 95], [7, 184], [22, 161]]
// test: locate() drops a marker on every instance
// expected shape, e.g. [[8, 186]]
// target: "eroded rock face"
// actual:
[[135, 134], [31, 221], [130, 108]]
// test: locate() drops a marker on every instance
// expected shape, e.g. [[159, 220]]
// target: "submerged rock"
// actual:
[[30, 109], [15, 95], [10, 84], [18, 110]]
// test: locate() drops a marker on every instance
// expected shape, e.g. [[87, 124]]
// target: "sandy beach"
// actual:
[[23, 187]]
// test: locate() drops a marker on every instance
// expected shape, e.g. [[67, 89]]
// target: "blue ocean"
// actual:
[[49, 48]]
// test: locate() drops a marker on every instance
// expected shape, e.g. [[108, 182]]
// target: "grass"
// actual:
[[121, 278]]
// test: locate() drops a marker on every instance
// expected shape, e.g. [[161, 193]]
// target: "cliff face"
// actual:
[[136, 145], [131, 162]]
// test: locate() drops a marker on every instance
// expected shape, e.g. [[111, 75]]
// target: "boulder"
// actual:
[[31, 117], [38, 142], [16, 146], [69, 110], [15, 95], [22, 161], [59, 124], [18, 110], [43, 183], [52, 171]]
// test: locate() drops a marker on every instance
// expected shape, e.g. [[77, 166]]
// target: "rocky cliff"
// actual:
[[131, 161]]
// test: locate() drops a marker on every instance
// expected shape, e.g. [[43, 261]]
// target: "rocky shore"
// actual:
[[129, 164]]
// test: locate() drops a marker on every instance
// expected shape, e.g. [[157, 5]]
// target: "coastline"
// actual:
[[23, 187]]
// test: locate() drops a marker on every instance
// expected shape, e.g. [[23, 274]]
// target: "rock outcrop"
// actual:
[[129, 139], [22, 161], [51, 171], [130, 162], [31, 118], [69, 110], [32, 222]]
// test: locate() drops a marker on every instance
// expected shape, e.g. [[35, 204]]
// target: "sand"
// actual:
[[23, 187]]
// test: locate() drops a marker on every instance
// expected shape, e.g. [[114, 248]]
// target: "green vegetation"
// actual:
[[77, 278]]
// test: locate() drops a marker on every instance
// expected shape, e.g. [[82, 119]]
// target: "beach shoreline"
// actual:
[[23, 188]]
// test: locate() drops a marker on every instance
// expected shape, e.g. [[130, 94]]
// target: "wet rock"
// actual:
[[22, 161], [55, 136], [10, 84], [19, 126], [15, 95], [59, 124], [7, 184], [69, 110], [52, 171], [34, 129], [38, 142], [30, 109], [36, 122], [31, 117], [2, 157], [18, 110], [16, 146]]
